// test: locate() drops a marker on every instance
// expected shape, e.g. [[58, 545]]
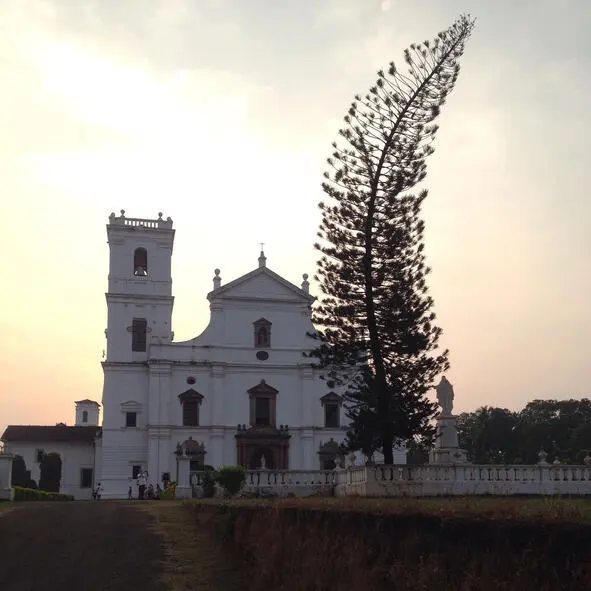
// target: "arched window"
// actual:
[[85, 416], [140, 262]]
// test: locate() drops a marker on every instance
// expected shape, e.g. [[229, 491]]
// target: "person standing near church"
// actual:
[[142, 479]]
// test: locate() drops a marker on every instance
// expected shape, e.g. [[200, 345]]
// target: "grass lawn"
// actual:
[[193, 560], [538, 508]]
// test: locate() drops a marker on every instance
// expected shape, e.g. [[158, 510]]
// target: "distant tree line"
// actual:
[[491, 435], [562, 428]]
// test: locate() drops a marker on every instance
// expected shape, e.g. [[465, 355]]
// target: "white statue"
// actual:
[[263, 462], [445, 396]]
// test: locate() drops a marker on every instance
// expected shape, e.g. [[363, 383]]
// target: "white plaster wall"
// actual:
[[125, 388], [74, 456], [122, 309]]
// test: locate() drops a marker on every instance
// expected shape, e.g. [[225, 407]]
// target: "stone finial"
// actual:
[[217, 280], [262, 260], [445, 396], [305, 283], [122, 213], [159, 215]]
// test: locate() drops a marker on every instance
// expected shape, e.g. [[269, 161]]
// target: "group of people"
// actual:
[[146, 490]]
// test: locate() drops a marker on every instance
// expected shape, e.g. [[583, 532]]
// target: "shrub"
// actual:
[[20, 476], [29, 494], [169, 493], [208, 483], [51, 472], [231, 478]]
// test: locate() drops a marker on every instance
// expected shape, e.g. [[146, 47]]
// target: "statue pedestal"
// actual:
[[183, 486], [446, 449]]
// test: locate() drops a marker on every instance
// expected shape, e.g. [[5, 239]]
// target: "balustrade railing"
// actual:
[[430, 479], [483, 473], [140, 222]]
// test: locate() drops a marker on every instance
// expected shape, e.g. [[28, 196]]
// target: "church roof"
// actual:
[[87, 401], [257, 272], [59, 433]]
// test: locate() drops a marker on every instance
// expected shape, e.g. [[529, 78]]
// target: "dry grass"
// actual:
[[458, 544], [193, 560], [530, 508]]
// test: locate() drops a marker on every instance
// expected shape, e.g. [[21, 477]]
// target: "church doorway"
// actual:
[[258, 442], [262, 457]]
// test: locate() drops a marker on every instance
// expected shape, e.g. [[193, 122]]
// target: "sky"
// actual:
[[220, 114]]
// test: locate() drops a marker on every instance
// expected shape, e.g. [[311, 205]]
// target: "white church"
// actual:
[[240, 393]]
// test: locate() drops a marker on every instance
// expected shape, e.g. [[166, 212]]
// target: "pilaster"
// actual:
[[218, 376], [307, 447]]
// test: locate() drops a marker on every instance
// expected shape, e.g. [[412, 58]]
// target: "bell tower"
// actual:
[[139, 297]]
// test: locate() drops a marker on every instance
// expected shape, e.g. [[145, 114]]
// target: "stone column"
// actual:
[[183, 488], [6, 490]]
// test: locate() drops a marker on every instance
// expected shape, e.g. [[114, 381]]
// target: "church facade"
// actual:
[[242, 392]]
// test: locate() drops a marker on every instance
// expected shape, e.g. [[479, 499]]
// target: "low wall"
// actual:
[[431, 480], [417, 481]]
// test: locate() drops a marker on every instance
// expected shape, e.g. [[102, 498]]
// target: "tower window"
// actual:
[[85, 416], [140, 262], [139, 328], [262, 333]]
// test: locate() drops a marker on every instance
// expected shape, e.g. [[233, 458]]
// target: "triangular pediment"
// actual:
[[262, 283], [190, 394]]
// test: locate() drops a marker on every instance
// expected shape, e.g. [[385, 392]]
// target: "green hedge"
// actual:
[[30, 494]]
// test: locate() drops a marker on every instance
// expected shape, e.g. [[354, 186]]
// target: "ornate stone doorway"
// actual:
[[263, 441], [262, 457]]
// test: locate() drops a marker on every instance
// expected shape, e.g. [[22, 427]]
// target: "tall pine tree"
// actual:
[[378, 332]]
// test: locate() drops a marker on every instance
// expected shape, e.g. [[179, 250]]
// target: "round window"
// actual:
[[262, 355]]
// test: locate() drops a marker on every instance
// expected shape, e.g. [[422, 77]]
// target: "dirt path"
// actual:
[[80, 546]]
